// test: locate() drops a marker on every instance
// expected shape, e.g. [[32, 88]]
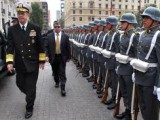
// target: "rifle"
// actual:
[[94, 77], [98, 80], [134, 104], [105, 88], [118, 98]]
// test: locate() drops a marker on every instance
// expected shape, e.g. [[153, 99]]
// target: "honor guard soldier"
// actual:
[[147, 64], [128, 46], [25, 42], [112, 47], [89, 52], [14, 21]]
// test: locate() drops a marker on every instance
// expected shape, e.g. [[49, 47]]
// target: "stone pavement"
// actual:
[[81, 102]]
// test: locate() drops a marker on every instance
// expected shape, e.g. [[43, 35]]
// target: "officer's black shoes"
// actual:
[[108, 102], [28, 114], [120, 116], [111, 106], [57, 85], [63, 92]]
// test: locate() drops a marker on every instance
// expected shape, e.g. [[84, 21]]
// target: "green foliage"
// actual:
[[37, 14]]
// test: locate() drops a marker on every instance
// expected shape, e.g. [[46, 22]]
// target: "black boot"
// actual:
[[108, 102], [128, 115], [63, 92]]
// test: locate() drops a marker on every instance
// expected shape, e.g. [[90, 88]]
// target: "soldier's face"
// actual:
[[124, 25], [23, 17], [100, 28], [147, 22], [109, 26]]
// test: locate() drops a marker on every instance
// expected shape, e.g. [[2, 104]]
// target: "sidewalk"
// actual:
[[81, 102]]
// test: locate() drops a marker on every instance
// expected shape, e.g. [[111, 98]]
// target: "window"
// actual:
[[113, 13], [132, 7], [120, 1], [106, 12], [126, 7], [119, 6], [80, 11], [91, 11], [113, 0], [92, 18], [106, 5], [91, 4], [80, 18], [126, 0], [100, 12], [100, 6], [113, 6], [74, 19], [74, 12], [74, 5], [120, 13], [80, 5]]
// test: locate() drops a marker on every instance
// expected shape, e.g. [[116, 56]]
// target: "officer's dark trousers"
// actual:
[[126, 86], [59, 68], [26, 82], [148, 102]]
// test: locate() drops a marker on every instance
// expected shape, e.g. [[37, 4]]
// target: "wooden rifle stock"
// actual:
[[118, 98], [134, 104], [105, 87], [105, 95]]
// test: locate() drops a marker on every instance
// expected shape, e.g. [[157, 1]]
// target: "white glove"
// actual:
[[155, 90], [116, 69], [133, 77], [158, 94], [92, 55]]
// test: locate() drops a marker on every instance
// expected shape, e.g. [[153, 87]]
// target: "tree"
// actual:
[[37, 14], [61, 21], [138, 14]]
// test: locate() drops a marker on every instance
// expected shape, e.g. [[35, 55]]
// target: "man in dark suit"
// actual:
[[58, 52], [25, 42]]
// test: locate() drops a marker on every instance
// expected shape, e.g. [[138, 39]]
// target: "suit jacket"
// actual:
[[64, 47], [27, 47]]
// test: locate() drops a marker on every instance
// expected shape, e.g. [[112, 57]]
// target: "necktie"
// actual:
[[57, 44], [23, 28]]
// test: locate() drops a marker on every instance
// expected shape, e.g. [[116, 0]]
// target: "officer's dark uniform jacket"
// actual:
[[28, 47], [126, 69], [111, 62], [151, 77]]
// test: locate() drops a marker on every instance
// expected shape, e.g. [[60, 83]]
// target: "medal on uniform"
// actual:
[[32, 34], [33, 41]]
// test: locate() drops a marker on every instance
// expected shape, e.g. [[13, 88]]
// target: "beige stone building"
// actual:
[[78, 12]]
